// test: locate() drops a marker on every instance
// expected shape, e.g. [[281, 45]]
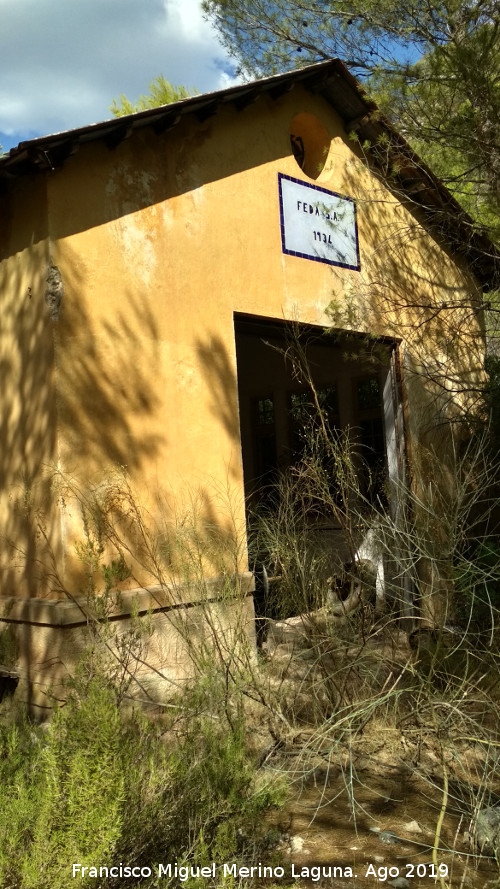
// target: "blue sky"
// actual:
[[62, 62]]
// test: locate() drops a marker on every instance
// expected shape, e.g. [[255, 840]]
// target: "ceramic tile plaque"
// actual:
[[318, 224]]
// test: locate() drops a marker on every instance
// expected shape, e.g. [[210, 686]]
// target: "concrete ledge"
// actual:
[[182, 625], [141, 601]]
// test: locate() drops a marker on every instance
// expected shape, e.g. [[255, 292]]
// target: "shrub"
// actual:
[[101, 786]]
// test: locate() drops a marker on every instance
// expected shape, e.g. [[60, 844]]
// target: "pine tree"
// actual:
[[434, 69], [161, 92]]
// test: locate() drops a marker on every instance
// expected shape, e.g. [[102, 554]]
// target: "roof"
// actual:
[[386, 150]]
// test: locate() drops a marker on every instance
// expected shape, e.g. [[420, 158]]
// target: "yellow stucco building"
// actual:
[[146, 262]]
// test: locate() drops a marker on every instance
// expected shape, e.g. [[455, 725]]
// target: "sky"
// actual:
[[62, 62]]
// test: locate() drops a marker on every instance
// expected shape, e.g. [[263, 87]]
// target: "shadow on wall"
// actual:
[[410, 289], [422, 294], [105, 375], [68, 393], [109, 184], [219, 371], [171, 529], [82, 399], [221, 515], [27, 422]]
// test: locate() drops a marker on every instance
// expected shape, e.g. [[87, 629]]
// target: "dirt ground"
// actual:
[[388, 779], [387, 799]]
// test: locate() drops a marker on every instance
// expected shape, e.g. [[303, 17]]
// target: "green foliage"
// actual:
[[161, 92], [62, 794], [477, 585], [448, 106], [433, 69], [100, 786], [492, 396], [369, 35], [266, 37]]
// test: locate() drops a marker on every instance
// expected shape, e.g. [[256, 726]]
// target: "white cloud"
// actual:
[[187, 20], [62, 62]]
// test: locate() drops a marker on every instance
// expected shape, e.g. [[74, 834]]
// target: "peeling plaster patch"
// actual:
[[127, 188], [137, 244], [186, 375], [54, 292], [131, 199], [189, 176], [168, 214], [198, 196], [193, 221]]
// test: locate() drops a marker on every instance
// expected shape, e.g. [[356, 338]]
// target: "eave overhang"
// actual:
[[385, 150]]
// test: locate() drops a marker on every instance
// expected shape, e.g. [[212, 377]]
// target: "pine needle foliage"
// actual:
[[161, 92]]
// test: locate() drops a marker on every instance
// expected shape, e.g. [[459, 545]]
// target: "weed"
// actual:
[[101, 786]]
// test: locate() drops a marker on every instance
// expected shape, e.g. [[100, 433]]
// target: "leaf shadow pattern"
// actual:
[[219, 371], [414, 287], [76, 399]]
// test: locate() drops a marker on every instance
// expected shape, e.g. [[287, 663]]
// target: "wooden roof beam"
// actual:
[[117, 136], [166, 122]]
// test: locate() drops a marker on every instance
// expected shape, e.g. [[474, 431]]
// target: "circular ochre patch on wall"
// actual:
[[310, 143]]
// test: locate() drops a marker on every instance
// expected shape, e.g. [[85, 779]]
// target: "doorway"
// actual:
[[354, 382]]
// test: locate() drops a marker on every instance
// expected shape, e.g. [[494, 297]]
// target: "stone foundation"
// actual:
[[161, 633]]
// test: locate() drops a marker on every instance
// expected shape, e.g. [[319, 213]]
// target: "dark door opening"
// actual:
[[353, 380]]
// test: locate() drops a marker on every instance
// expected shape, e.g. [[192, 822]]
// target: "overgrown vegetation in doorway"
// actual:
[[411, 676]]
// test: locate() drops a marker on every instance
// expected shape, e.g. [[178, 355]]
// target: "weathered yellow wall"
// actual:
[[159, 242], [27, 415]]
